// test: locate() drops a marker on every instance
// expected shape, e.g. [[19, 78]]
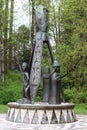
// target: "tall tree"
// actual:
[[5, 29], [1, 20], [10, 34], [74, 41], [1, 40], [22, 47], [55, 21]]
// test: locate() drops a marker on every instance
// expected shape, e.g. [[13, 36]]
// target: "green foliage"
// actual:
[[22, 46], [1, 19], [70, 95], [82, 97], [23, 34], [73, 19], [46, 60], [72, 51], [73, 95], [12, 88]]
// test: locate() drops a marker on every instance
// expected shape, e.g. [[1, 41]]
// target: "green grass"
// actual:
[[3, 108], [79, 108]]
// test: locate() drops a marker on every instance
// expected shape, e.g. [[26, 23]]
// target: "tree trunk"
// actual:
[[10, 34], [5, 34], [1, 42], [59, 26]]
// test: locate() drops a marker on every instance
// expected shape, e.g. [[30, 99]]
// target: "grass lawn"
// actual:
[[3, 108], [79, 108]]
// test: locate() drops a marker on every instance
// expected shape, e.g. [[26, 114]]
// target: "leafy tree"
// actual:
[[73, 50], [10, 35], [22, 46], [5, 33], [1, 20]]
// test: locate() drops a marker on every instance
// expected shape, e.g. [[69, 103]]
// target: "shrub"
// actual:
[[8, 96], [73, 95], [82, 97], [70, 95], [11, 90]]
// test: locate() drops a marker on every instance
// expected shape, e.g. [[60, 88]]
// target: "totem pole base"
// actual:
[[41, 113]]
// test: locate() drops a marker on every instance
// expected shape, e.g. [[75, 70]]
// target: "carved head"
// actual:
[[42, 10], [56, 65], [47, 70], [24, 66]]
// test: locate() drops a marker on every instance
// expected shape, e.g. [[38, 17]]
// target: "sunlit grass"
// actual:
[[3, 108], [81, 108]]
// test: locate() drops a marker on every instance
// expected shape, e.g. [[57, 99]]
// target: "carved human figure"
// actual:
[[46, 84], [54, 97], [26, 88]]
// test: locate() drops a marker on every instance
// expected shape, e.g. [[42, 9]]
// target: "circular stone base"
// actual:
[[41, 113]]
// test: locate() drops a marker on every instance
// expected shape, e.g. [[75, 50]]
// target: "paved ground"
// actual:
[[81, 124]]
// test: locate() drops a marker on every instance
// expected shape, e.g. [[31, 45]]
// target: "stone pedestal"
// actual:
[[41, 113]]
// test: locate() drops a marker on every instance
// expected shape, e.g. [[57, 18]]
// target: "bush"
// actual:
[[70, 95], [7, 95], [82, 97], [11, 90], [73, 95]]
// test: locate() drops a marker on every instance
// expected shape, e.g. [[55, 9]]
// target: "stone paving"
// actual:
[[81, 124]]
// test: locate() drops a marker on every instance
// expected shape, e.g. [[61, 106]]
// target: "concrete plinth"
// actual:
[[41, 113]]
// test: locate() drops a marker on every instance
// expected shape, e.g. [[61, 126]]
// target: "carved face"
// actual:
[[24, 66], [42, 10], [47, 70]]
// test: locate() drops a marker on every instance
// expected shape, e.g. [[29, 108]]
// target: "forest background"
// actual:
[[67, 31]]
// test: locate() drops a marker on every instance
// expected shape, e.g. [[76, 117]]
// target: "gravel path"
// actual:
[[81, 124]]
